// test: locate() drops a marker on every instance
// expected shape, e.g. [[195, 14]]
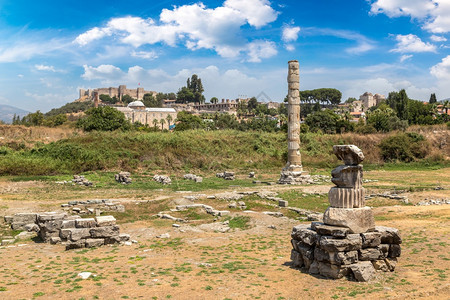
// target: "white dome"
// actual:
[[136, 104]]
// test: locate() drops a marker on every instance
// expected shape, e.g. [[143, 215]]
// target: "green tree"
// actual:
[[252, 103], [323, 95], [103, 118], [150, 101], [127, 99], [399, 101], [214, 100], [187, 121], [185, 95], [192, 92], [107, 99], [384, 119], [169, 119], [433, 98], [155, 122], [327, 121], [350, 100], [162, 121]]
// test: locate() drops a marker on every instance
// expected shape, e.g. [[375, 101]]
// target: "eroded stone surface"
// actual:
[[358, 220], [350, 154]]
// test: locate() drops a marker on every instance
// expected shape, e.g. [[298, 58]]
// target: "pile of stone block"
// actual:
[[73, 231], [251, 175], [81, 180], [347, 243], [123, 177], [93, 206], [163, 179], [193, 177], [226, 175], [334, 252]]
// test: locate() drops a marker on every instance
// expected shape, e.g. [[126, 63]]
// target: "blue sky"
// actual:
[[48, 49]]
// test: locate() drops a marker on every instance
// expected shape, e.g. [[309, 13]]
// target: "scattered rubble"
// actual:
[[433, 202], [81, 180], [163, 179], [95, 206], [251, 175], [123, 177], [193, 177], [226, 175]]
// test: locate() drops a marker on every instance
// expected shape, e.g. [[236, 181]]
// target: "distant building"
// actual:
[[368, 100], [229, 106], [119, 92], [137, 112]]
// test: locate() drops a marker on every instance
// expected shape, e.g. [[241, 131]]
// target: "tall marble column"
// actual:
[[293, 173]]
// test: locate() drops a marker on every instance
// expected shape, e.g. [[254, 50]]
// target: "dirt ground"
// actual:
[[196, 263]]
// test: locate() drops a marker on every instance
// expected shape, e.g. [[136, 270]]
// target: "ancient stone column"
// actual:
[[293, 173], [96, 99], [347, 203]]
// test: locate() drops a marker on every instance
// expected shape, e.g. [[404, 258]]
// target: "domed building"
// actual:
[[151, 116]]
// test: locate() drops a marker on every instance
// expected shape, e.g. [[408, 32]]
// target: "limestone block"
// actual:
[[94, 243], [33, 227], [358, 220], [347, 176], [314, 268], [25, 235], [346, 258], [323, 256], [341, 197], [26, 218], [380, 265], [8, 242], [75, 245], [394, 251], [332, 271], [55, 240], [85, 223], [283, 203], [297, 260], [389, 235], [391, 263], [369, 254], [105, 221], [349, 243], [117, 239], [371, 239], [68, 224], [8, 219], [350, 154], [77, 234], [65, 233], [332, 230], [104, 232], [18, 226], [305, 235], [50, 216], [315, 224], [384, 249], [363, 271]]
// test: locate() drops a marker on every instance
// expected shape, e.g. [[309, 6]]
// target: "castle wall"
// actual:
[[119, 92]]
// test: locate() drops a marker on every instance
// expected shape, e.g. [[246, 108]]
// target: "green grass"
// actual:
[[187, 151], [312, 202], [240, 222]]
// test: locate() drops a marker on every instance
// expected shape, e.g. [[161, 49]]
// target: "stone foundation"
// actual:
[[73, 231], [334, 252], [294, 177]]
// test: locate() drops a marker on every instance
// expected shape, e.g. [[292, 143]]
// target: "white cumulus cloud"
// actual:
[[196, 26], [442, 69], [411, 43], [405, 57], [433, 14], [437, 38], [290, 33], [45, 68]]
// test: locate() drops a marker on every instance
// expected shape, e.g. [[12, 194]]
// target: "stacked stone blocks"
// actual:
[[347, 243]]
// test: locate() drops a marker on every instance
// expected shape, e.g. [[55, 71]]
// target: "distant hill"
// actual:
[[72, 107], [7, 112]]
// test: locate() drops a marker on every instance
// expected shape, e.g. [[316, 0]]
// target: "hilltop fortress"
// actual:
[[119, 92]]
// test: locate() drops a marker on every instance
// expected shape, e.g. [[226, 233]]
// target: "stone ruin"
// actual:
[[123, 177], [193, 177], [81, 180], [163, 179], [293, 173], [95, 206], [226, 175], [73, 231], [347, 242]]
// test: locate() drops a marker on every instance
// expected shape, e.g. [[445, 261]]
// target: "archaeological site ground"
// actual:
[[213, 238]]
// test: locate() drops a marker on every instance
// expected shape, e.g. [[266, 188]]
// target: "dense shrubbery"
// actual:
[[103, 118], [404, 147]]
